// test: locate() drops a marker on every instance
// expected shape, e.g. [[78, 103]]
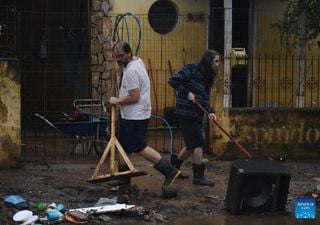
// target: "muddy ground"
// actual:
[[66, 183]]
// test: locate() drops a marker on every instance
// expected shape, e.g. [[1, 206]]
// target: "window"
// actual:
[[163, 16]]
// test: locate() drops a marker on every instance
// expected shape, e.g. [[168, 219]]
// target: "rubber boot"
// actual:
[[198, 175], [121, 184], [125, 182], [170, 172], [177, 164]]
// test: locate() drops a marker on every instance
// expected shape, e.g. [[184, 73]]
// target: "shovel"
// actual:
[[224, 131]]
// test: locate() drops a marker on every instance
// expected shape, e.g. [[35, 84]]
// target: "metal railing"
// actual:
[[273, 81], [55, 45]]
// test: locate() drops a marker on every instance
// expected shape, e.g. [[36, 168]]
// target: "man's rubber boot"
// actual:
[[177, 164], [198, 175], [170, 172]]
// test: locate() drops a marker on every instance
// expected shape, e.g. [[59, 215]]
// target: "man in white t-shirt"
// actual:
[[135, 109]]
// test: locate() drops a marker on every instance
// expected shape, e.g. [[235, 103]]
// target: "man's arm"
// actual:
[[132, 97]]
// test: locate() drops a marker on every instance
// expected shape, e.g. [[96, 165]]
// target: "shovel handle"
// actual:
[[224, 131]]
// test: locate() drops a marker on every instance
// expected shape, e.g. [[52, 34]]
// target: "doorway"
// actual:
[[239, 14], [53, 48]]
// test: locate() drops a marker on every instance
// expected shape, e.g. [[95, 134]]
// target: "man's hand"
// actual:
[[113, 100], [212, 116], [191, 97]]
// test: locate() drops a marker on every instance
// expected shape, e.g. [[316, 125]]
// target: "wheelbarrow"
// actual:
[[95, 126]]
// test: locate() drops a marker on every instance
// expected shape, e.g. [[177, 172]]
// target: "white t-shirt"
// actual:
[[135, 76]]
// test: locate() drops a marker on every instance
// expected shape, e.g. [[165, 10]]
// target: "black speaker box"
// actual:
[[257, 184]]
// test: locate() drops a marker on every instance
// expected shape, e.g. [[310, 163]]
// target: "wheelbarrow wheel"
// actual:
[[101, 142]]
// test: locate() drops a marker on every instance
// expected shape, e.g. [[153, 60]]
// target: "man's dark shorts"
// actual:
[[132, 135], [192, 133]]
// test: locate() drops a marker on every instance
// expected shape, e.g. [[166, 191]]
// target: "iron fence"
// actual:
[[8, 31], [274, 81], [53, 47]]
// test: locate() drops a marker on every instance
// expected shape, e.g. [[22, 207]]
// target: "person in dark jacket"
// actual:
[[192, 84]]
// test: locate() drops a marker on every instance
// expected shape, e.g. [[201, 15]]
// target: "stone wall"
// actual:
[[101, 47], [10, 126]]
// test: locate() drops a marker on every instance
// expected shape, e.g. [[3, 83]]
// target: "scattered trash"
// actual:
[[22, 216], [57, 212], [78, 215], [41, 206], [73, 219], [103, 209], [52, 207], [54, 212], [61, 208], [25, 216], [31, 220], [104, 218], [112, 201], [16, 201], [53, 216]]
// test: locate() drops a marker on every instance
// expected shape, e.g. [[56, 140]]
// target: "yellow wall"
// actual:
[[275, 66], [10, 127], [142, 6], [270, 5], [185, 43], [267, 13]]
